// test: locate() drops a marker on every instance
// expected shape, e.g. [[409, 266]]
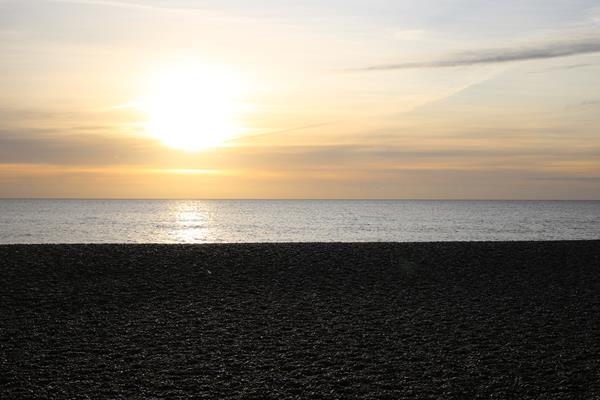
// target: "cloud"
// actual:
[[583, 104], [574, 66], [591, 179], [501, 55], [278, 131], [589, 103], [48, 146], [565, 67]]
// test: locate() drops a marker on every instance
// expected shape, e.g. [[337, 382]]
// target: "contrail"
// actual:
[[501, 55]]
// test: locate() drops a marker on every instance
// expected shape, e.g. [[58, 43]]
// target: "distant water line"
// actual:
[[216, 221]]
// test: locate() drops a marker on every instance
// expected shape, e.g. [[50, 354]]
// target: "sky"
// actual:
[[445, 99]]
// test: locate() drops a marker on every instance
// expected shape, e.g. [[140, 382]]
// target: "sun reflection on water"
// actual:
[[192, 224]]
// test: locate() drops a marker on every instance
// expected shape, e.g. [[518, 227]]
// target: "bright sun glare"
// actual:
[[191, 107]]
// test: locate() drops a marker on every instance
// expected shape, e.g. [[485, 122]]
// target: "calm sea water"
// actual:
[[206, 221]]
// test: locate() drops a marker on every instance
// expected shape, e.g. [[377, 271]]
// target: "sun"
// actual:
[[191, 107]]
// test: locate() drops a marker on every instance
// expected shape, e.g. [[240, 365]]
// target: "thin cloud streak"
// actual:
[[586, 103], [501, 55], [277, 131]]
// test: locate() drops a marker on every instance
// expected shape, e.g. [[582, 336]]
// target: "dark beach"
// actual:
[[283, 321]]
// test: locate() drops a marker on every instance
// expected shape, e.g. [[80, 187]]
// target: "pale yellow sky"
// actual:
[[348, 99]]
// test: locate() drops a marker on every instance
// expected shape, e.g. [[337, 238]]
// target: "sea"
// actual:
[[219, 221]]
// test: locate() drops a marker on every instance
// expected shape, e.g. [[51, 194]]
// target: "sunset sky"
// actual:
[[399, 99]]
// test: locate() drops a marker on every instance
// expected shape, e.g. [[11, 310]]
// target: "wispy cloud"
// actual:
[[586, 103], [565, 67], [501, 55], [279, 131]]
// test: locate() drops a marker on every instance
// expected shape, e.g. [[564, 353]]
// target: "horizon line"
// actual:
[[284, 199]]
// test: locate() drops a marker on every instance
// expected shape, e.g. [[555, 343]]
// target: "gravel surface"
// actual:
[[284, 321]]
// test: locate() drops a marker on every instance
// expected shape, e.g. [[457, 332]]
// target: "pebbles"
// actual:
[[283, 321]]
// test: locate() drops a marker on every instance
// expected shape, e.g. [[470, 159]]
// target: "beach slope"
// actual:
[[313, 320]]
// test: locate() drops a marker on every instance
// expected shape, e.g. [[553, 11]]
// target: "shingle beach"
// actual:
[[488, 320]]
